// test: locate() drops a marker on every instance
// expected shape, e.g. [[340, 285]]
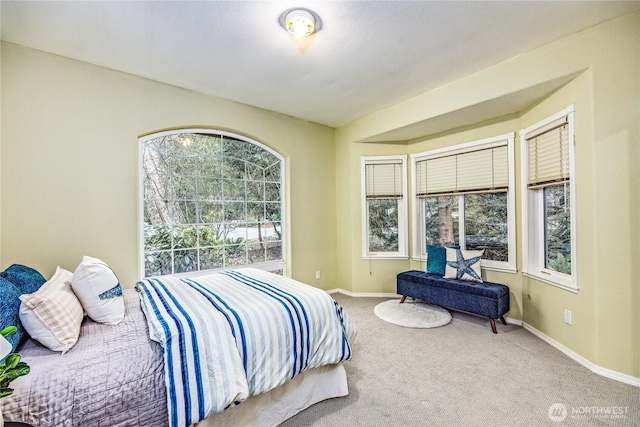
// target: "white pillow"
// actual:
[[99, 291], [463, 265], [53, 314]]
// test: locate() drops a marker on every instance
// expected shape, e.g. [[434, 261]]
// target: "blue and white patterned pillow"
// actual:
[[98, 289], [463, 265]]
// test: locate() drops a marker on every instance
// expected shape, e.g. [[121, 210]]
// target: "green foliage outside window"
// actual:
[[383, 225], [485, 223], [557, 228]]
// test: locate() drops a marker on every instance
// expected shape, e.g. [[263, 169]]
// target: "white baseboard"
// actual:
[[512, 321], [608, 373]]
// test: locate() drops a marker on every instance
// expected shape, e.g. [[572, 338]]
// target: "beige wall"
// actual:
[[360, 275], [606, 58], [69, 164]]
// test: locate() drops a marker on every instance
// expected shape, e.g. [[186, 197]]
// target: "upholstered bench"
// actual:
[[485, 299]]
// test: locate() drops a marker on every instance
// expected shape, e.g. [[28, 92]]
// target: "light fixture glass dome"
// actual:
[[300, 22]]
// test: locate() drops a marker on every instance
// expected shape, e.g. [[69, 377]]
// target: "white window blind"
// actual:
[[549, 154], [480, 170], [384, 180]]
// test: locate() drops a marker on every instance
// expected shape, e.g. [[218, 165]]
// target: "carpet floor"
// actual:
[[462, 374]]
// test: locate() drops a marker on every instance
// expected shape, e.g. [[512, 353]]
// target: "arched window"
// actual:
[[209, 200]]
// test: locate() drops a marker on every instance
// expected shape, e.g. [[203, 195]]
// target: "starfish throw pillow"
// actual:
[[463, 265]]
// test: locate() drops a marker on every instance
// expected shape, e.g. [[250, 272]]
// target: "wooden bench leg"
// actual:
[[493, 326], [504, 322], [404, 297]]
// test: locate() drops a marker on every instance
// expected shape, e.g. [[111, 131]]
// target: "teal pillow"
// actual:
[[436, 259]]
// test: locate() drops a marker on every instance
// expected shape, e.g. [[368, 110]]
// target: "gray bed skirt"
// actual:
[[282, 403]]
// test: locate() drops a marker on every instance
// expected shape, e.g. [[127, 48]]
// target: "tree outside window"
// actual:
[[484, 223], [441, 220], [383, 225], [557, 221]]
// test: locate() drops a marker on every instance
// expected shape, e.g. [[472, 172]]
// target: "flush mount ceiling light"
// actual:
[[300, 22]]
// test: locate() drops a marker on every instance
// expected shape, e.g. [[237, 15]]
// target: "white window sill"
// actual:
[[505, 269], [549, 280]]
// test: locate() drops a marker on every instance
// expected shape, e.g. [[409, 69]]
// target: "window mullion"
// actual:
[[171, 215], [462, 232], [196, 201]]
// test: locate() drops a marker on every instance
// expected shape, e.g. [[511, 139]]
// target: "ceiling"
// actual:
[[368, 55]]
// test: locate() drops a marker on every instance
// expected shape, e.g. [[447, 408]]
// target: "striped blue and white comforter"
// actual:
[[231, 335]]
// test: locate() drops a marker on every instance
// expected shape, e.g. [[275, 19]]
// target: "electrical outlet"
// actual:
[[318, 274], [567, 317]]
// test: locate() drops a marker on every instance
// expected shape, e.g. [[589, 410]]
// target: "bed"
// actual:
[[242, 347]]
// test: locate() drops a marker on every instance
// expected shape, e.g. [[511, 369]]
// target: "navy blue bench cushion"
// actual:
[[485, 299], [486, 289]]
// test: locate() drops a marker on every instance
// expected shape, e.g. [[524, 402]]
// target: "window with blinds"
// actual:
[[548, 200], [463, 196], [480, 170], [548, 154], [384, 206], [384, 180]]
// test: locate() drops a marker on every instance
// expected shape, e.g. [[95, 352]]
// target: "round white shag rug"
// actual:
[[412, 314]]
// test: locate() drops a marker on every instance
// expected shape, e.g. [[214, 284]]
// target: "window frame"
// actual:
[[403, 246], [533, 207], [418, 214], [279, 265]]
